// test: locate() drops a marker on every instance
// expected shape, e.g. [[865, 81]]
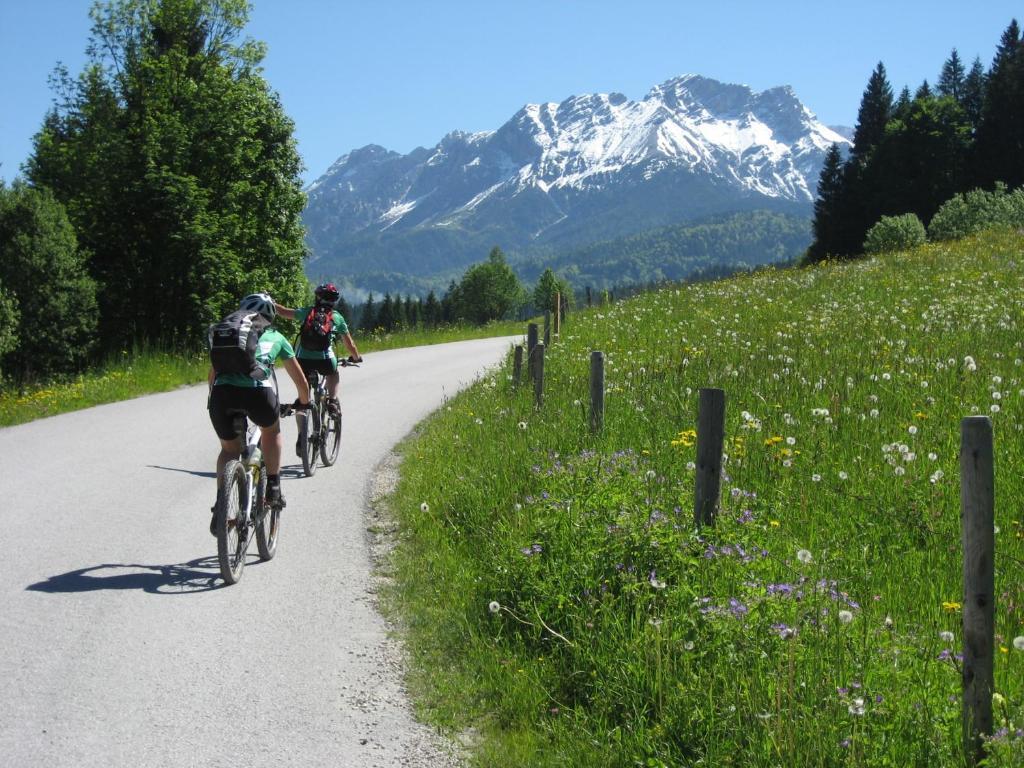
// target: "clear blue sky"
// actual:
[[402, 74]]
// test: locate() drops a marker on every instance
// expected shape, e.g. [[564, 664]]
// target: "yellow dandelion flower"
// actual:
[[950, 606], [774, 523]]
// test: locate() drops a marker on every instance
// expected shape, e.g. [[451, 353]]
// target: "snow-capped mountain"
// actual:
[[592, 168]]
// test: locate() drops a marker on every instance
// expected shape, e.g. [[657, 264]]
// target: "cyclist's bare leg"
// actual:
[[272, 442], [331, 382], [229, 449]]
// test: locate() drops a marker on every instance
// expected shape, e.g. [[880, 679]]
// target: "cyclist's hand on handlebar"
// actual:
[[351, 360]]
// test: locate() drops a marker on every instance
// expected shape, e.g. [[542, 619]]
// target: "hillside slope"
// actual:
[[819, 622]]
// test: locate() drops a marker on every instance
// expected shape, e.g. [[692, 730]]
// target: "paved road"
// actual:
[[119, 645]]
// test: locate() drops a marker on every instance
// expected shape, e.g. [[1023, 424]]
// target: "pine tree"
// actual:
[[828, 208], [386, 315], [432, 311], [368, 317], [873, 114], [901, 108], [952, 77], [1000, 137], [974, 93], [924, 91]]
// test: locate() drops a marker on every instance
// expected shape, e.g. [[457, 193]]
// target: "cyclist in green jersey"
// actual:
[[317, 354], [235, 393]]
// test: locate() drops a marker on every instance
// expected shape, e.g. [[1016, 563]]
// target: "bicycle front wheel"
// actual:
[[330, 438], [231, 536], [309, 438], [268, 519]]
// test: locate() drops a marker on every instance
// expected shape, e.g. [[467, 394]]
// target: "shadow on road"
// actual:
[[195, 472], [199, 575]]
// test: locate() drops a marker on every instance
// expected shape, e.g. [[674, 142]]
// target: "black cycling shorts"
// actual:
[[324, 367], [258, 403]]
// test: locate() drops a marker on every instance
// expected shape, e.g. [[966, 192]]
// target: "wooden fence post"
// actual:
[[590, 297], [517, 366], [531, 343], [710, 438], [538, 381], [547, 326], [977, 521], [558, 315], [596, 391]]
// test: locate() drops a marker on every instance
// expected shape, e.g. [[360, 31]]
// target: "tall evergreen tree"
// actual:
[[901, 108], [432, 311], [1000, 136], [829, 208], [974, 93], [952, 78], [386, 314], [368, 317], [177, 166], [924, 91], [874, 112]]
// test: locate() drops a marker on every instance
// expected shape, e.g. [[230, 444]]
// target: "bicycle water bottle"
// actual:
[[253, 457]]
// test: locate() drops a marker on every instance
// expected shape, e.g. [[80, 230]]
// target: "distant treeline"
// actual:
[[913, 153]]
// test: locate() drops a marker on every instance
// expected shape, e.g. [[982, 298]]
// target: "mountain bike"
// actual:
[[242, 513], [320, 430]]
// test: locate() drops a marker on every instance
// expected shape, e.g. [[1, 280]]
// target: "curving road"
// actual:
[[119, 645]]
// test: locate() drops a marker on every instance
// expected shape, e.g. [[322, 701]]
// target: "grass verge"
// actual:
[[144, 372], [561, 604]]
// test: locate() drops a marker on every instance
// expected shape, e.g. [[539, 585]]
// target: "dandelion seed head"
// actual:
[[845, 617], [804, 556], [424, 507], [494, 606]]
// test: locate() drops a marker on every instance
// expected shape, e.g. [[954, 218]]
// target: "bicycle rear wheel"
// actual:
[[330, 438], [231, 536], [309, 438], [268, 519]]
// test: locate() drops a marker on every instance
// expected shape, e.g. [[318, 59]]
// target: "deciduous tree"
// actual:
[[178, 168]]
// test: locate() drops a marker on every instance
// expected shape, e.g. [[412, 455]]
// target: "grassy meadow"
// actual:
[[146, 371], [562, 610]]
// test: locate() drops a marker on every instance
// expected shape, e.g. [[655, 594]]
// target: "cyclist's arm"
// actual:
[[291, 365], [347, 338], [288, 313], [210, 376]]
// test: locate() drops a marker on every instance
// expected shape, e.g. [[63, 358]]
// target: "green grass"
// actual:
[[144, 372], [559, 601], [121, 378]]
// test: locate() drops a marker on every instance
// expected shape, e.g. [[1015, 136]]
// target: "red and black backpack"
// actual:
[[318, 328]]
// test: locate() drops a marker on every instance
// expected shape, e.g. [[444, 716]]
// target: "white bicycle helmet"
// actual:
[[259, 302]]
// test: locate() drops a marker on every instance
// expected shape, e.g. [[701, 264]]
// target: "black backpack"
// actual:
[[317, 329], [234, 342]]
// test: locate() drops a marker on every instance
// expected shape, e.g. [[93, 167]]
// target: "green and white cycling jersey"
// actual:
[[340, 329], [272, 345]]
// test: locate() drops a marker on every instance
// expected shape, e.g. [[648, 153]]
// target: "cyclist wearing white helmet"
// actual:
[[235, 393]]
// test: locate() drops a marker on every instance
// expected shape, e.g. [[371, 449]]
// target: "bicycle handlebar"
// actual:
[[349, 362]]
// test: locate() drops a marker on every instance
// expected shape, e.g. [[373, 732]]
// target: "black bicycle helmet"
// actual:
[[327, 293]]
